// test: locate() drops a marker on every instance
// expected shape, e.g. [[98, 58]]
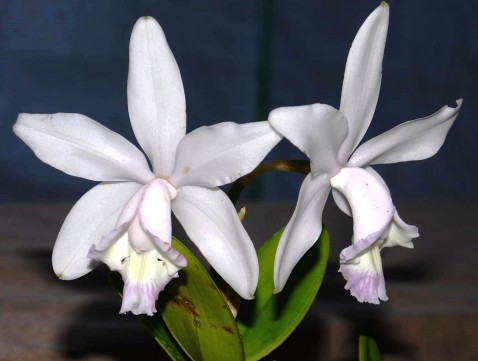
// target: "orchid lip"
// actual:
[[145, 268], [145, 276]]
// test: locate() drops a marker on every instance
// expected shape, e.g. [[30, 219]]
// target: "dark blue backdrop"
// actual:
[[72, 56]]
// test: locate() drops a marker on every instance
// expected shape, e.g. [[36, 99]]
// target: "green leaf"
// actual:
[[269, 319], [368, 350], [154, 324], [197, 315]]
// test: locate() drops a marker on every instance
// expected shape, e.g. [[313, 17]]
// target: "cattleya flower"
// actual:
[[125, 221], [329, 137]]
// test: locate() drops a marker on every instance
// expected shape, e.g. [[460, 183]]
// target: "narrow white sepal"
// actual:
[[363, 75], [414, 140], [82, 147], [303, 229], [156, 102]]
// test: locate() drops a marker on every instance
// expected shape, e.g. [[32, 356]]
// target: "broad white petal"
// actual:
[[93, 216], [79, 146], [219, 154], [363, 75], [155, 211], [156, 103], [318, 130], [414, 140], [303, 229], [371, 204], [210, 220]]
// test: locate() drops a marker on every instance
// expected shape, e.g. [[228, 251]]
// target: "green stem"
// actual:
[[296, 166]]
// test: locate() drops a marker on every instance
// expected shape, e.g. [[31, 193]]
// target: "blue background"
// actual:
[[72, 56]]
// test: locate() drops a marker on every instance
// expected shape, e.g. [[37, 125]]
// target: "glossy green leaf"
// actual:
[[368, 349], [155, 325], [197, 315], [269, 319]]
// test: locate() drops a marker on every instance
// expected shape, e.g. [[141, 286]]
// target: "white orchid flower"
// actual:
[[329, 137], [125, 222]]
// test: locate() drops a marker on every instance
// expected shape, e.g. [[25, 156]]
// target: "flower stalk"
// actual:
[[294, 166]]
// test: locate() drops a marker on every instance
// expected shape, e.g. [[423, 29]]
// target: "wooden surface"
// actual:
[[432, 313]]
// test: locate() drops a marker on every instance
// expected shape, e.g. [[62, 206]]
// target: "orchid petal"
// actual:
[[370, 201], [216, 155], [82, 147], [155, 211], [156, 102], [414, 140], [303, 229], [318, 130], [210, 220], [363, 75], [93, 216]]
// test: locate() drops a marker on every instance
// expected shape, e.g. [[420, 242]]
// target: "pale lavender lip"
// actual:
[[145, 276], [366, 285], [140, 298]]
